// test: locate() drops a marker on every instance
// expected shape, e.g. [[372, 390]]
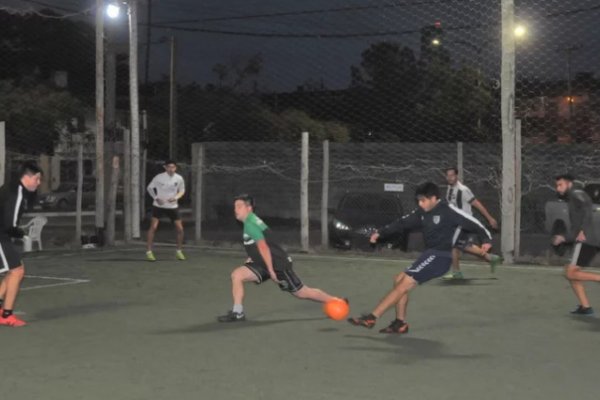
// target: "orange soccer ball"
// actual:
[[336, 309]]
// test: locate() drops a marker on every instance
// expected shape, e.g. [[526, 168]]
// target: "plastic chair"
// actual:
[[34, 233]]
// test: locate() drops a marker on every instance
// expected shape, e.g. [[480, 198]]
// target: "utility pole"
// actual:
[[173, 103], [99, 114], [135, 118]]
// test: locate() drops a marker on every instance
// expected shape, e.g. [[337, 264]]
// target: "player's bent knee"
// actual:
[[570, 271]]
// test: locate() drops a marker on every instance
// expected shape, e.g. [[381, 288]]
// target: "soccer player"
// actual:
[[439, 223], [13, 201], [585, 236], [266, 260], [461, 197], [166, 189]]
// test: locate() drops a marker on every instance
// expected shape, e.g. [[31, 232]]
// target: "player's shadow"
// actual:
[[131, 260], [593, 323], [78, 310], [228, 326], [409, 350], [467, 282]]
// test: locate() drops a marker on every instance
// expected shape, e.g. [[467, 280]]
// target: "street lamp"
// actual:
[[520, 31], [113, 10]]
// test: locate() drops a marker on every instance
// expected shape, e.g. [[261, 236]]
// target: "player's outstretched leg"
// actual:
[[493, 259], [576, 277], [455, 272], [239, 276], [398, 297], [8, 292]]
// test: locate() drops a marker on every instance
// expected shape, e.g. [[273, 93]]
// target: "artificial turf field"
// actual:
[[108, 325]]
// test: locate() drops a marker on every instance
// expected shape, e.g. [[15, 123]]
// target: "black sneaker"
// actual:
[[368, 321], [232, 316], [581, 310], [396, 326]]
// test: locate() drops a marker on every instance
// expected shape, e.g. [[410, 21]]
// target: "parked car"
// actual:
[[358, 214], [64, 198], [557, 213]]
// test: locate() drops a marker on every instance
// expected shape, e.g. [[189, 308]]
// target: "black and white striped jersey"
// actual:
[[460, 196]]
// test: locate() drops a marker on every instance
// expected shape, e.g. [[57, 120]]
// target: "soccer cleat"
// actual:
[[179, 255], [396, 326], [495, 260], [232, 316], [150, 256], [456, 275], [368, 321], [13, 321], [581, 310]]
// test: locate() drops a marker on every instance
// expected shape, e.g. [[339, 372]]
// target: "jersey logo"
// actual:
[[436, 219]]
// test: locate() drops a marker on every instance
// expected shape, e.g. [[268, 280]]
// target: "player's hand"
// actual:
[[485, 248], [558, 239], [581, 237], [493, 223], [172, 200], [273, 276], [160, 202], [374, 237]]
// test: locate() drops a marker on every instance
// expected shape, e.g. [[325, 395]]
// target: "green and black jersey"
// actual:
[[254, 230]]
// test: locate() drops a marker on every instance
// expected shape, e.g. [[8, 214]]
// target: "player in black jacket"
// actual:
[[13, 201], [584, 236], [440, 223]]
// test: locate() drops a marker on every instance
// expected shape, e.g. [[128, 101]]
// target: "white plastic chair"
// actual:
[[34, 234]]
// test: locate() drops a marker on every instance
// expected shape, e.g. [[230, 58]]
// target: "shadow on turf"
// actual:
[[225, 326], [466, 282], [410, 349], [592, 322], [78, 310]]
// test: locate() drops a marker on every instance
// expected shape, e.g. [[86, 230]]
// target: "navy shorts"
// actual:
[[288, 280], [583, 254], [10, 257], [431, 264]]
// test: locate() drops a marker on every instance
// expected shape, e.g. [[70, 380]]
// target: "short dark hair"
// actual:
[[29, 168], [168, 162], [566, 177], [428, 190], [451, 169], [246, 198]]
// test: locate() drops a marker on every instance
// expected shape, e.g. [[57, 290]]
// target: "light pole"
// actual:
[[114, 11], [99, 115]]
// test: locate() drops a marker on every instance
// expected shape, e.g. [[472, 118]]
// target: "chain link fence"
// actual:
[[399, 90]]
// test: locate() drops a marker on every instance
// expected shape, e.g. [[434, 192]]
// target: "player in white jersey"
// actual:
[[166, 189], [460, 196]]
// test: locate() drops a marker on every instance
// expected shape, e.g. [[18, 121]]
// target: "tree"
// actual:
[[35, 115]]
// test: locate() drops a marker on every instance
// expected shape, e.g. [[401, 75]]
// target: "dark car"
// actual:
[[64, 198], [359, 214]]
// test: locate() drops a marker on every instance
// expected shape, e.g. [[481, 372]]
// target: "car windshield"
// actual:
[[369, 202], [66, 187]]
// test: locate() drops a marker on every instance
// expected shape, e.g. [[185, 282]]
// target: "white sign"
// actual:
[[393, 187]]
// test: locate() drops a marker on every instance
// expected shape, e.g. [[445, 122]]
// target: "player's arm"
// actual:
[[180, 190], [153, 191], [582, 210], [11, 216], [481, 208], [407, 222], [471, 224], [265, 253]]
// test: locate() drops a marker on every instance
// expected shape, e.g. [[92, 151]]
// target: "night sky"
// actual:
[[471, 35]]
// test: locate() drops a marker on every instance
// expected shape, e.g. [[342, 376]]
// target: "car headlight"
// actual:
[[339, 225]]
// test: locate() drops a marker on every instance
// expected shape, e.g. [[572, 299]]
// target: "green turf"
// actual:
[[141, 330]]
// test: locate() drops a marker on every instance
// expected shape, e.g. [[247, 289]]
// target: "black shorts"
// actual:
[[171, 213], [10, 257], [583, 254], [430, 265], [288, 280], [466, 239]]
